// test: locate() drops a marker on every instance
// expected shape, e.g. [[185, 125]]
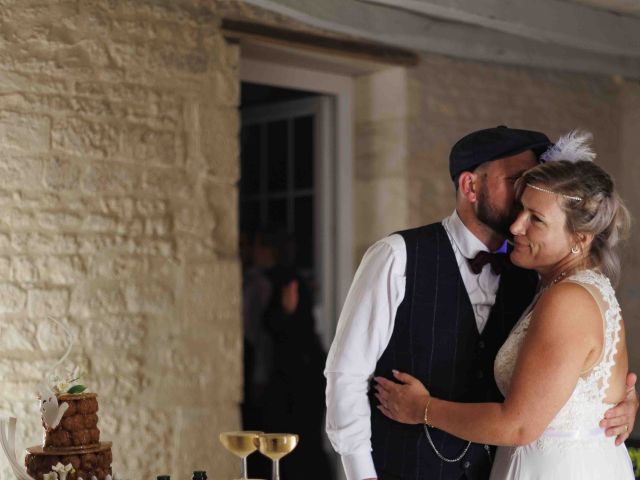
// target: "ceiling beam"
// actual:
[[554, 21], [407, 30], [366, 50]]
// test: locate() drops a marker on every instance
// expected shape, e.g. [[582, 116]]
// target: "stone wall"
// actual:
[[118, 127], [119, 159], [380, 156], [628, 180]]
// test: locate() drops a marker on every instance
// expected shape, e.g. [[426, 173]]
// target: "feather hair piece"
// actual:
[[574, 147]]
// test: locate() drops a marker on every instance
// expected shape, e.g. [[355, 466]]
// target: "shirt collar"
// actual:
[[467, 243]]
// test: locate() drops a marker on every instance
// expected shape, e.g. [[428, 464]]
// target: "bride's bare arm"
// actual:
[[565, 334]]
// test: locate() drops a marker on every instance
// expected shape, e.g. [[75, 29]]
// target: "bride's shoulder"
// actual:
[[567, 303], [564, 293]]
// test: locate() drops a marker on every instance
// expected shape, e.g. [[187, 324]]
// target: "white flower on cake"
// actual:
[[51, 412], [68, 383], [62, 470]]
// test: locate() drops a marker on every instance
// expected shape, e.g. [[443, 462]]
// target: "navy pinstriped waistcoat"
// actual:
[[435, 338]]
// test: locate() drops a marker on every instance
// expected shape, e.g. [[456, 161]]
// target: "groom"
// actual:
[[437, 302]]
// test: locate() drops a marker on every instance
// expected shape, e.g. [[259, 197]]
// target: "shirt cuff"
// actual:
[[359, 466]]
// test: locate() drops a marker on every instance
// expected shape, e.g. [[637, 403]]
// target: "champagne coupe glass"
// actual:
[[275, 446], [241, 444]]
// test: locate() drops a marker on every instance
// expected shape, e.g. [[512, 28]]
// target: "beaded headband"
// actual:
[[570, 197]]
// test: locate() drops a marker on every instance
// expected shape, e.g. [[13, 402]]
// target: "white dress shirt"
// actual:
[[365, 328]]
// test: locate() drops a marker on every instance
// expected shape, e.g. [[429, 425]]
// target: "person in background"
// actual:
[[258, 350], [293, 400]]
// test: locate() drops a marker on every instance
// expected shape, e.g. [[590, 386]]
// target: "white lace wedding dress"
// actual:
[[573, 446]]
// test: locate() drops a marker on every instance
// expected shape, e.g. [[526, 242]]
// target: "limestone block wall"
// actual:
[[118, 165], [381, 144]]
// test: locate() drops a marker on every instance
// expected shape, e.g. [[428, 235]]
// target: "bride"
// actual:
[[565, 362]]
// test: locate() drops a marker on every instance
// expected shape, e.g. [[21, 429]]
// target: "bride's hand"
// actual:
[[403, 402]]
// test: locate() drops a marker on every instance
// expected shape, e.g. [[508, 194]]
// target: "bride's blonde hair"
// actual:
[[596, 208]]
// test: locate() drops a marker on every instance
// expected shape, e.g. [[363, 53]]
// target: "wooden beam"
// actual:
[[367, 50]]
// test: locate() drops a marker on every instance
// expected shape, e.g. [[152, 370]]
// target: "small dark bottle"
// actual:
[[199, 475]]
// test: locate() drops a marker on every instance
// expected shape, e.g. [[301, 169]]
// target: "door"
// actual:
[[287, 182]]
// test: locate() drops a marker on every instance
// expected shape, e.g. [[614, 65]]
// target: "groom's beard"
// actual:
[[496, 220]]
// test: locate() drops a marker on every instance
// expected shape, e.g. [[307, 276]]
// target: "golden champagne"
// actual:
[[277, 445], [241, 444]]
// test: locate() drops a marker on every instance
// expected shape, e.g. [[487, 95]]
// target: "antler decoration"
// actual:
[[8, 441], [52, 413], [69, 347]]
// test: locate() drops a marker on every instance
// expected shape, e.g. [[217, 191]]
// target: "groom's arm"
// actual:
[[562, 332], [619, 420], [364, 329]]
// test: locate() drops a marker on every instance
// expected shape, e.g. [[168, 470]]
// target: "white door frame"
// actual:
[[341, 88]]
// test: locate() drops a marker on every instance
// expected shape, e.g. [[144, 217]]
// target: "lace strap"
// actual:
[[599, 286]]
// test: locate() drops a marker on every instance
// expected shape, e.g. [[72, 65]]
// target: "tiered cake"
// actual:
[[74, 441]]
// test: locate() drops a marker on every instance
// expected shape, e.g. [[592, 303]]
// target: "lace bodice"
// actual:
[[586, 407]]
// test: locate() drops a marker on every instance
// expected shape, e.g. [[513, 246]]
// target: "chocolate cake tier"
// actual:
[[79, 425], [96, 461]]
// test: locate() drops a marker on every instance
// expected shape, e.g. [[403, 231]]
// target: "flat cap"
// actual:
[[489, 144]]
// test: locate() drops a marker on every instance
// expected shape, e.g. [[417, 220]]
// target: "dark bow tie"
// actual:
[[497, 261]]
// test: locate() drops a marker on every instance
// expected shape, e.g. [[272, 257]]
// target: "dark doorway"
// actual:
[[278, 200]]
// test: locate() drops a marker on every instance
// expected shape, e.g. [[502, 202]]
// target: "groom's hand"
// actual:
[[619, 420]]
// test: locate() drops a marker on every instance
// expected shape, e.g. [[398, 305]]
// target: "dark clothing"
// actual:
[[256, 293], [436, 339], [294, 400]]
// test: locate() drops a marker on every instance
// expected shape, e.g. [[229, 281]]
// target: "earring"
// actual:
[[575, 249]]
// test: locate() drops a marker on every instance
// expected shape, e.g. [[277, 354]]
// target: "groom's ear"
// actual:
[[467, 186]]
